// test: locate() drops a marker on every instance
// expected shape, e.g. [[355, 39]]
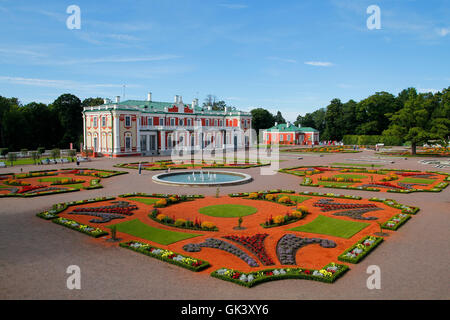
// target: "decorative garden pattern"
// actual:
[[40, 183], [169, 164], [171, 228], [386, 180]]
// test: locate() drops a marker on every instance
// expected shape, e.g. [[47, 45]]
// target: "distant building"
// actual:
[[148, 127], [287, 133]]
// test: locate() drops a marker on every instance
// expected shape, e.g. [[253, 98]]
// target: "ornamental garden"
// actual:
[[245, 238], [359, 178], [169, 164], [46, 182]]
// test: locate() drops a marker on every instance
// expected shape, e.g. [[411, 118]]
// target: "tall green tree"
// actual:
[[92, 102], [68, 109], [334, 129], [279, 118], [371, 113], [414, 122], [261, 119]]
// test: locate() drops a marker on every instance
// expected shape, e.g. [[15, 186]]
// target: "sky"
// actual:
[[293, 56]]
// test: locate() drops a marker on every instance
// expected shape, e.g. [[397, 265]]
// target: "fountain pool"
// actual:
[[202, 178]]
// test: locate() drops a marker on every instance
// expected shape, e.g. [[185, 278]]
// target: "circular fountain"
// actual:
[[202, 178]]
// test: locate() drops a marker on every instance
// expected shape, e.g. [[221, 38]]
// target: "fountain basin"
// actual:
[[202, 178]]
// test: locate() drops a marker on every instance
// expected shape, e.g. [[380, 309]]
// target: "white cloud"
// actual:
[[60, 84], [319, 63], [282, 59], [443, 31], [233, 6]]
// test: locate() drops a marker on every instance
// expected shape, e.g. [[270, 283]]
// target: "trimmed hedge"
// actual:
[[294, 273], [397, 225], [202, 266], [342, 257], [96, 233]]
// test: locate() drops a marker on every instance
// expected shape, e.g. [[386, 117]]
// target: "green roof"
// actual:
[[159, 107], [283, 127]]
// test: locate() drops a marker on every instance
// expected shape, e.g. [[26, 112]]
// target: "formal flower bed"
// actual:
[[328, 274], [281, 220], [166, 255], [59, 207], [64, 181], [360, 250], [196, 224], [47, 184], [165, 165], [161, 195], [91, 231], [394, 204], [330, 195], [255, 244], [396, 221], [284, 248], [373, 180]]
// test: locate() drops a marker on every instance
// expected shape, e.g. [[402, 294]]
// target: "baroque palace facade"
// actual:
[[147, 127]]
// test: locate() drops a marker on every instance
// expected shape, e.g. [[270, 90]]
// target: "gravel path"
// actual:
[[34, 253]]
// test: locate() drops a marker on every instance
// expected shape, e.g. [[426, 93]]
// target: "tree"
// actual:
[[261, 119], [12, 157], [210, 101], [413, 122], [68, 108], [279, 118], [333, 119], [92, 102], [72, 153], [371, 113], [3, 152]]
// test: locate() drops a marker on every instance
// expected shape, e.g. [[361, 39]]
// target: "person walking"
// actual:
[[140, 167]]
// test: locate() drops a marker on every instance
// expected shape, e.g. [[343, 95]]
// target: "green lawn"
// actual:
[[145, 200], [141, 230], [351, 176], [299, 199], [50, 179], [369, 165], [333, 227], [333, 183], [228, 210], [418, 180], [20, 162], [76, 185]]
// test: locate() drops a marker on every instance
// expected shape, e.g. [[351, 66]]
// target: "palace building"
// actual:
[[148, 127], [287, 133]]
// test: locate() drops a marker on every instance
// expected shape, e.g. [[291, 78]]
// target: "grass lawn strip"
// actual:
[[418, 180], [332, 227], [299, 199], [141, 230], [228, 210], [148, 201]]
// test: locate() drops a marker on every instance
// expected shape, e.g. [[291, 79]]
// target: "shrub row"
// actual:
[[189, 263], [365, 249]]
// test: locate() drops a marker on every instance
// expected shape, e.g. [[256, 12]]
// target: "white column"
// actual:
[[84, 131], [163, 140], [116, 128], [138, 133]]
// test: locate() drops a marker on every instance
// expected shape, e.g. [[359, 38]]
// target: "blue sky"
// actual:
[[292, 56]]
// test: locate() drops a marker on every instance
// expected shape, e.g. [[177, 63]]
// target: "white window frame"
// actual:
[[127, 121], [95, 124], [103, 121], [172, 122], [150, 121]]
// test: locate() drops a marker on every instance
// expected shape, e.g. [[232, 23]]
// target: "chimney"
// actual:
[[276, 123], [149, 96], [194, 103], [117, 99], [176, 99], [105, 101]]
